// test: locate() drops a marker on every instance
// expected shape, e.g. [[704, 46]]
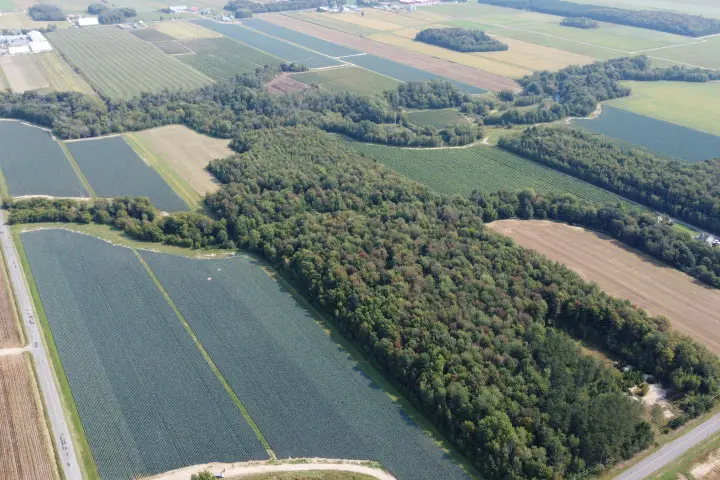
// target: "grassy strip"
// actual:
[[82, 447], [19, 325], [689, 459], [4, 80], [172, 178], [209, 360], [78, 172], [45, 418]]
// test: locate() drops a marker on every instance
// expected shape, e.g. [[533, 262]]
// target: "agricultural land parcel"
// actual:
[[181, 155], [692, 105], [184, 30], [657, 135], [120, 65], [619, 271], [27, 151], [354, 79], [307, 397], [113, 169], [437, 118], [148, 400], [482, 167], [10, 328], [708, 8], [41, 71], [25, 450], [221, 58]]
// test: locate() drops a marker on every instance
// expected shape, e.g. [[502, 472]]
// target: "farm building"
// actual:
[[87, 21], [19, 50], [33, 42], [38, 42], [179, 9]]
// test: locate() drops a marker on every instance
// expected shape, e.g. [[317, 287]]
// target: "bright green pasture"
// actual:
[[693, 105], [437, 118], [352, 79]]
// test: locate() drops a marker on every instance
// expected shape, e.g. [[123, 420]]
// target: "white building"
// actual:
[[87, 21], [38, 47], [19, 50], [178, 9]]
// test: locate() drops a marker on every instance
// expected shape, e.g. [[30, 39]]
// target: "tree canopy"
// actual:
[[46, 13], [579, 22], [460, 39]]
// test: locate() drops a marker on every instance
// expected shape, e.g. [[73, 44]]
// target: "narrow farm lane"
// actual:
[[49, 389]]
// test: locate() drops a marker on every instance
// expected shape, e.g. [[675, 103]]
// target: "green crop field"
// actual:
[[113, 169], [352, 79], [221, 58], [33, 163], [120, 65], [172, 48], [148, 400], [307, 41], [307, 397], [484, 168], [692, 105], [152, 35], [273, 46], [666, 138], [437, 118]]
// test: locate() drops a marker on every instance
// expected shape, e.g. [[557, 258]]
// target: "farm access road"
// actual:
[[672, 450], [53, 404]]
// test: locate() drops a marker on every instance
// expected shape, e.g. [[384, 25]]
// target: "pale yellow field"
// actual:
[[181, 155], [61, 76], [367, 22], [23, 73], [21, 20], [184, 30]]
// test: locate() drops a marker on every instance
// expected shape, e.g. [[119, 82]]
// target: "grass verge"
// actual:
[[82, 447], [209, 359], [19, 325]]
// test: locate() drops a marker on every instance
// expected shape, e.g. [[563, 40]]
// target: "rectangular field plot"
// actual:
[[114, 169], [437, 118], [147, 399], [352, 79], [657, 135], [307, 41], [221, 58], [33, 163], [273, 46], [405, 73], [23, 73], [307, 397], [120, 65], [485, 168], [25, 452]]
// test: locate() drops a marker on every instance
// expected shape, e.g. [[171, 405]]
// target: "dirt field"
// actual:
[[25, 453], [462, 73], [708, 469], [284, 83], [185, 30], [186, 152], [692, 308], [24, 72], [10, 336]]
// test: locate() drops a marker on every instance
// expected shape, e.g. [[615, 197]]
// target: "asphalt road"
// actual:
[[672, 450], [50, 392]]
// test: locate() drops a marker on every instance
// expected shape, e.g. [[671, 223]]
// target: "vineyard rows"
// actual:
[[147, 399], [307, 397], [114, 169], [120, 65], [484, 168], [25, 151]]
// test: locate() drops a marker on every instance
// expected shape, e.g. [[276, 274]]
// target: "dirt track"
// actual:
[[461, 73], [691, 307]]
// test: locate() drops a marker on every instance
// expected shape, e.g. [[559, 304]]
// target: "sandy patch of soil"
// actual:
[[284, 83]]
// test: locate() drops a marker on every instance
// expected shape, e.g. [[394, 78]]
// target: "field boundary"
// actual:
[[76, 167], [79, 438], [208, 358], [19, 325]]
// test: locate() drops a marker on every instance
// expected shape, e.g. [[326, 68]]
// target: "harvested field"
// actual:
[[354, 79], [114, 169], [285, 83], [25, 451], [182, 30], [10, 336], [331, 22], [185, 151], [692, 308], [61, 76], [427, 63], [148, 400], [151, 35], [23, 73]]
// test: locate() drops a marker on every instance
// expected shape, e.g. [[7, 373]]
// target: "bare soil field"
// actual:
[[708, 469], [23, 73], [25, 453], [462, 73], [692, 308], [10, 336], [284, 83], [186, 152]]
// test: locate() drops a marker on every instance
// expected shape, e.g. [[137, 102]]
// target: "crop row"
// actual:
[[221, 58]]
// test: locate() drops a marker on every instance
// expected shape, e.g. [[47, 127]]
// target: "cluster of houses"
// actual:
[[24, 43]]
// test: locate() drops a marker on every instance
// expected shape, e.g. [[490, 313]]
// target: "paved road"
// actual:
[[672, 450], [48, 387]]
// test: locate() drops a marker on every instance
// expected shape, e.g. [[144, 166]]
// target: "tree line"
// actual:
[[661, 20], [46, 13], [690, 192], [579, 22], [476, 332], [279, 6], [460, 39]]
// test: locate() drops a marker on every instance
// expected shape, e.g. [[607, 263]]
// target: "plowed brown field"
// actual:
[[24, 450], [461, 73], [9, 326], [691, 307]]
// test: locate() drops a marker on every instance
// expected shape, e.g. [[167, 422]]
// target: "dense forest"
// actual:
[[690, 192], [634, 227], [460, 39], [475, 331], [279, 6], [116, 15], [46, 13], [579, 22], [662, 20]]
